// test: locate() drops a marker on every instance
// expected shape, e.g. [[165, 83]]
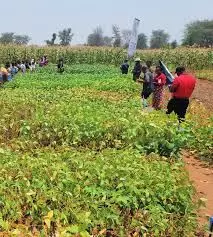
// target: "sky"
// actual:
[[40, 18]]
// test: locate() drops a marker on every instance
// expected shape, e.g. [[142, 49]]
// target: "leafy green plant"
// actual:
[[78, 156]]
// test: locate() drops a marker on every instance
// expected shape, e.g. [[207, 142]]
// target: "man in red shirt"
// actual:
[[182, 89]]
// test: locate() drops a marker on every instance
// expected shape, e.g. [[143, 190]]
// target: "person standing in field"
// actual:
[[14, 70], [159, 83], [23, 67], [8, 68], [147, 80], [124, 67], [60, 65], [45, 60], [182, 89], [18, 65], [137, 69], [149, 66], [32, 65], [4, 75]]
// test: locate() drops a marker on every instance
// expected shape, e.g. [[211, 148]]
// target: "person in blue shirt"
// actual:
[[13, 70], [124, 67]]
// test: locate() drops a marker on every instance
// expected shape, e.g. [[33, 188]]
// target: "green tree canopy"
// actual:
[[65, 36], [12, 38], [7, 38], [159, 39], [107, 41], [96, 38], [199, 33], [142, 41], [174, 44], [21, 39], [52, 41]]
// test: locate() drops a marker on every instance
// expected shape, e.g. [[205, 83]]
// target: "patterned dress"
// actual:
[[159, 82]]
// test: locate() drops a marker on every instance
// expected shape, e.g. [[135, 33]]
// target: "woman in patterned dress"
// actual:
[[159, 83]]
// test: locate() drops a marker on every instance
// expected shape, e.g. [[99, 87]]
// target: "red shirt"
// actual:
[[183, 86], [160, 80]]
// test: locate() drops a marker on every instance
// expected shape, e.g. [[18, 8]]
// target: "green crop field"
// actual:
[[79, 157]]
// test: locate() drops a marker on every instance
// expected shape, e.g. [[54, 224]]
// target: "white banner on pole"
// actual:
[[134, 38]]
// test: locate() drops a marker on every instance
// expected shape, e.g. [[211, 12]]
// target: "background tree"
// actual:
[[107, 41], [21, 39], [159, 39], [7, 38], [65, 36], [116, 36], [52, 41], [96, 38], [174, 44], [126, 36], [142, 41], [199, 33]]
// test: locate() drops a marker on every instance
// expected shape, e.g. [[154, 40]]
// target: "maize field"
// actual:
[[192, 58]]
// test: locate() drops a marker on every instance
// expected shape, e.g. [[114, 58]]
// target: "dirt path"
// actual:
[[200, 173], [202, 178], [204, 93]]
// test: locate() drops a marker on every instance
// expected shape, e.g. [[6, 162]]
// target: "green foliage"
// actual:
[[79, 156], [11, 38], [159, 39], [202, 141], [65, 36], [192, 58], [199, 33], [21, 39], [7, 38], [89, 110], [142, 41], [52, 41], [96, 38], [82, 191], [174, 44]]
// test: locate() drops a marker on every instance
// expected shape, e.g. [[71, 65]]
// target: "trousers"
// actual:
[[179, 106]]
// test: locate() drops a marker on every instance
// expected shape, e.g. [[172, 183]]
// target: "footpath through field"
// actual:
[[199, 172], [201, 176], [204, 93]]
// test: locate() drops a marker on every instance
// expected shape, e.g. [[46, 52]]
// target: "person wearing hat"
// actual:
[[124, 67], [181, 89], [137, 69]]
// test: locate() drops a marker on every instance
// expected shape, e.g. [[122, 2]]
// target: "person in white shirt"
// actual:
[[32, 65], [23, 67]]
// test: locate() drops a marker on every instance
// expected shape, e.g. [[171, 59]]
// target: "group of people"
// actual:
[[9, 70], [154, 82]]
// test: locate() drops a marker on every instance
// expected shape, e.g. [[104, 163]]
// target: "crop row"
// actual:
[[190, 57], [78, 157], [83, 193]]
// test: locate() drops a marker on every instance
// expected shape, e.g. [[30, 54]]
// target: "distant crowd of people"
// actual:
[[10, 69], [154, 82]]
